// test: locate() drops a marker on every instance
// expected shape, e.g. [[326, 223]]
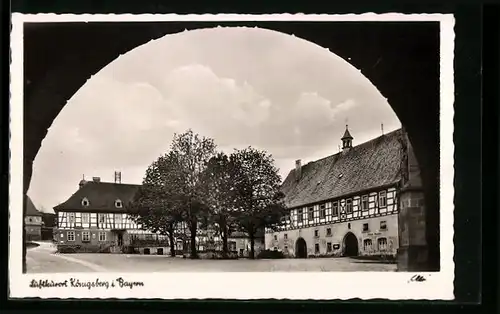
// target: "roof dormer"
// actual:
[[118, 203], [85, 202]]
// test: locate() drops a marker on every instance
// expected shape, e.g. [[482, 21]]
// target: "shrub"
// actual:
[[212, 254], [270, 254], [65, 248], [129, 249]]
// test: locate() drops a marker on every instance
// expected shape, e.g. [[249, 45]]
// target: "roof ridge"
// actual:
[[361, 145]]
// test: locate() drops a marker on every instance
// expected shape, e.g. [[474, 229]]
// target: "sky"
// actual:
[[240, 86]]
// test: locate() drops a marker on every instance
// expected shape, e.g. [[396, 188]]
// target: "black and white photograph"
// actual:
[[237, 156]]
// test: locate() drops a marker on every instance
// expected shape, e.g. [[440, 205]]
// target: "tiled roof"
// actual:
[[369, 165], [31, 209], [101, 197]]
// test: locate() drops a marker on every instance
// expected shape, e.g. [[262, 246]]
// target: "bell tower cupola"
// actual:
[[347, 139]]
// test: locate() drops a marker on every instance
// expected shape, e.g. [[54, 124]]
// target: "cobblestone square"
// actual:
[[43, 259]]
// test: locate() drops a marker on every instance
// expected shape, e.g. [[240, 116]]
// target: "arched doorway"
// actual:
[[350, 245], [301, 248]]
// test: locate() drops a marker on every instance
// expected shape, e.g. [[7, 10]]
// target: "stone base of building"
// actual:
[[413, 258]]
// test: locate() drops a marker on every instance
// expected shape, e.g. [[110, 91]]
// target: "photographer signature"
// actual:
[[418, 278]]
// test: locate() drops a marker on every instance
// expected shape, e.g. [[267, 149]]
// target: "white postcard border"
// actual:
[[232, 285]]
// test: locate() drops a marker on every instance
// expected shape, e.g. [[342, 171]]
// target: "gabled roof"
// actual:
[[369, 165], [30, 208], [101, 197]]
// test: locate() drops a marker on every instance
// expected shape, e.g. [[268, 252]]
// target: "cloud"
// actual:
[[343, 107], [239, 86]]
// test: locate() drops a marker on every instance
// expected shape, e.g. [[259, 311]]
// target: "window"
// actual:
[[316, 248], [316, 233], [310, 214], [30, 219], [367, 244], [382, 199], [85, 202], [383, 225], [329, 247], [382, 244], [85, 218], [322, 211], [328, 231], [348, 205], [71, 236], [102, 236], [287, 222], [118, 204], [349, 225], [335, 209], [71, 218], [365, 227], [364, 202], [275, 238], [285, 236], [86, 236], [102, 218], [299, 216], [62, 235]]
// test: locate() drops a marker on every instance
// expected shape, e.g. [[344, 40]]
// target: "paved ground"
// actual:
[[42, 259]]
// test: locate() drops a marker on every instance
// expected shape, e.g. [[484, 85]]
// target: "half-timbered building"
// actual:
[[95, 219], [345, 204]]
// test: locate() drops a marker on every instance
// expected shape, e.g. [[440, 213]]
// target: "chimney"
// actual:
[[82, 183], [118, 177], [96, 179], [298, 169]]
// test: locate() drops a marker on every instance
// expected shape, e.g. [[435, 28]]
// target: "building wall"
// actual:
[[341, 216], [33, 233], [75, 236], [33, 220], [70, 220], [285, 241], [33, 227], [72, 225], [242, 246]]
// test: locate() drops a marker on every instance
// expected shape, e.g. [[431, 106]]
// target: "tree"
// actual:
[[258, 198], [192, 154], [219, 196], [157, 206]]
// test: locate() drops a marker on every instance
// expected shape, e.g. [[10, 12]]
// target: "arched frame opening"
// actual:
[[402, 61]]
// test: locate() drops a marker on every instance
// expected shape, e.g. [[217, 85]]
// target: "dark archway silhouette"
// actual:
[[351, 245], [400, 59], [301, 248]]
